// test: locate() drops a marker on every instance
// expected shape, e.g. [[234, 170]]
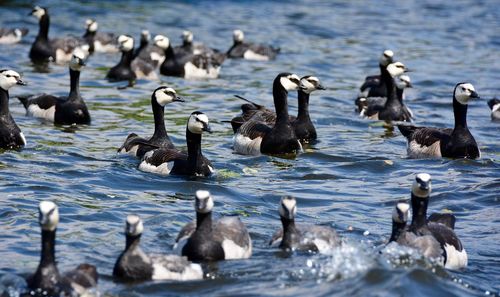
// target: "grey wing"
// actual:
[[131, 141], [233, 229], [427, 245], [370, 82], [67, 44], [264, 50], [83, 277], [445, 235], [277, 237], [163, 155], [446, 219], [106, 38], [254, 129], [173, 263], [321, 235], [186, 231]]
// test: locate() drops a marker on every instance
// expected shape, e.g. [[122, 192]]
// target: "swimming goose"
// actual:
[[61, 110], [99, 41], [494, 105], [302, 237], [450, 143], [188, 65], [12, 35], [189, 47], [135, 265], [257, 136], [154, 54], [142, 64], [250, 51], [172, 161], [372, 103], [207, 240], [57, 50], [47, 281], [394, 108], [123, 70], [453, 252], [11, 136], [374, 85], [137, 146]]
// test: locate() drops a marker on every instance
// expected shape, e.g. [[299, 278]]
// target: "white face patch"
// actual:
[[419, 192], [126, 43], [401, 208], [203, 202], [463, 93], [92, 25], [8, 79], [187, 36], [288, 207], [77, 59], [197, 122], [164, 96], [238, 36], [308, 85], [291, 82], [386, 58], [134, 225], [396, 69], [161, 41], [49, 215], [38, 12]]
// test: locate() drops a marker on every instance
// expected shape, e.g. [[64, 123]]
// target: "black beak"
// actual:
[[408, 70], [409, 85], [81, 62], [206, 128], [32, 12], [424, 185], [320, 87], [20, 82], [178, 99], [401, 216], [201, 204], [473, 94]]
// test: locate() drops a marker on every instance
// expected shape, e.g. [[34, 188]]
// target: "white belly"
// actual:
[[246, 146], [417, 151], [251, 55], [37, 112], [191, 71]]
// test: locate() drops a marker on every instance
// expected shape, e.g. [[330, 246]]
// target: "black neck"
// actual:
[[392, 95], [4, 102], [397, 229], [132, 240], [89, 37], [194, 150], [44, 27], [158, 113], [399, 93], [280, 102], [127, 58], [74, 93], [186, 43], [288, 230], [169, 53], [419, 207], [460, 112], [204, 222], [303, 99], [48, 248]]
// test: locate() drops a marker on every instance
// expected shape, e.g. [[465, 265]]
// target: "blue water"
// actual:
[[349, 180]]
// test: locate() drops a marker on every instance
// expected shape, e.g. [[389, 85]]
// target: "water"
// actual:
[[350, 179]]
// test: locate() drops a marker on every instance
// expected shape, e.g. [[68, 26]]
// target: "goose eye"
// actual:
[[463, 89]]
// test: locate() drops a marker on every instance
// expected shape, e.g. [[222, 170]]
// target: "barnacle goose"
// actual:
[[11, 136], [374, 85], [123, 70], [12, 35], [494, 105], [250, 51], [100, 42]]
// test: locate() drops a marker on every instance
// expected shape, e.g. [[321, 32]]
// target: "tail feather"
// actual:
[[258, 106], [24, 99], [407, 130]]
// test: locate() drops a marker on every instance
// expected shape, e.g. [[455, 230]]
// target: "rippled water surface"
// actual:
[[349, 180]]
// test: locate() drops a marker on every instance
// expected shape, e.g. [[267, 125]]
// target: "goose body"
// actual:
[[494, 105], [424, 142], [11, 136], [374, 85], [12, 35], [250, 51], [142, 64], [123, 70], [101, 42], [61, 110], [257, 136], [302, 237], [137, 146], [208, 240], [167, 161]]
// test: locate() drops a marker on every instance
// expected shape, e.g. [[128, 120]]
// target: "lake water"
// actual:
[[349, 180]]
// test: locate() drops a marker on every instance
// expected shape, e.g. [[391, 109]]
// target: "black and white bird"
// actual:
[[302, 124], [302, 237], [494, 105], [189, 65], [213, 240], [57, 50], [453, 252], [166, 161], [123, 70], [138, 146], [153, 54], [12, 35], [143, 42], [256, 136], [101, 42], [250, 51], [372, 103], [394, 109], [190, 47], [142, 64], [374, 85], [11, 136], [47, 281], [66, 110], [135, 265], [424, 142]]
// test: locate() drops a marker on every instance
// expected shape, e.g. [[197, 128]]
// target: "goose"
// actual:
[[99, 41], [189, 47], [167, 161], [453, 252], [494, 105], [250, 51], [142, 64], [47, 281], [302, 124], [137, 146], [424, 142], [188, 65], [57, 50], [256, 136], [374, 85], [373, 103], [143, 43], [302, 237], [208, 240], [11, 136], [394, 109], [61, 110], [12, 35], [123, 70], [154, 54], [135, 265]]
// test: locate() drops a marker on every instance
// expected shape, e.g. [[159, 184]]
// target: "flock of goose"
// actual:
[[257, 130]]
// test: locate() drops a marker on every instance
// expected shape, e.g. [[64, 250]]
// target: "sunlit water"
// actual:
[[349, 180]]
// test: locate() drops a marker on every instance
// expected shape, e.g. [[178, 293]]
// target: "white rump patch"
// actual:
[[191, 272], [35, 111], [251, 55], [455, 259], [10, 39], [62, 56], [233, 251], [191, 71], [416, 151], [246, 146], [162, 169]]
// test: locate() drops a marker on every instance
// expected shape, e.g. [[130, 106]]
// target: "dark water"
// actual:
[[350, 179]]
